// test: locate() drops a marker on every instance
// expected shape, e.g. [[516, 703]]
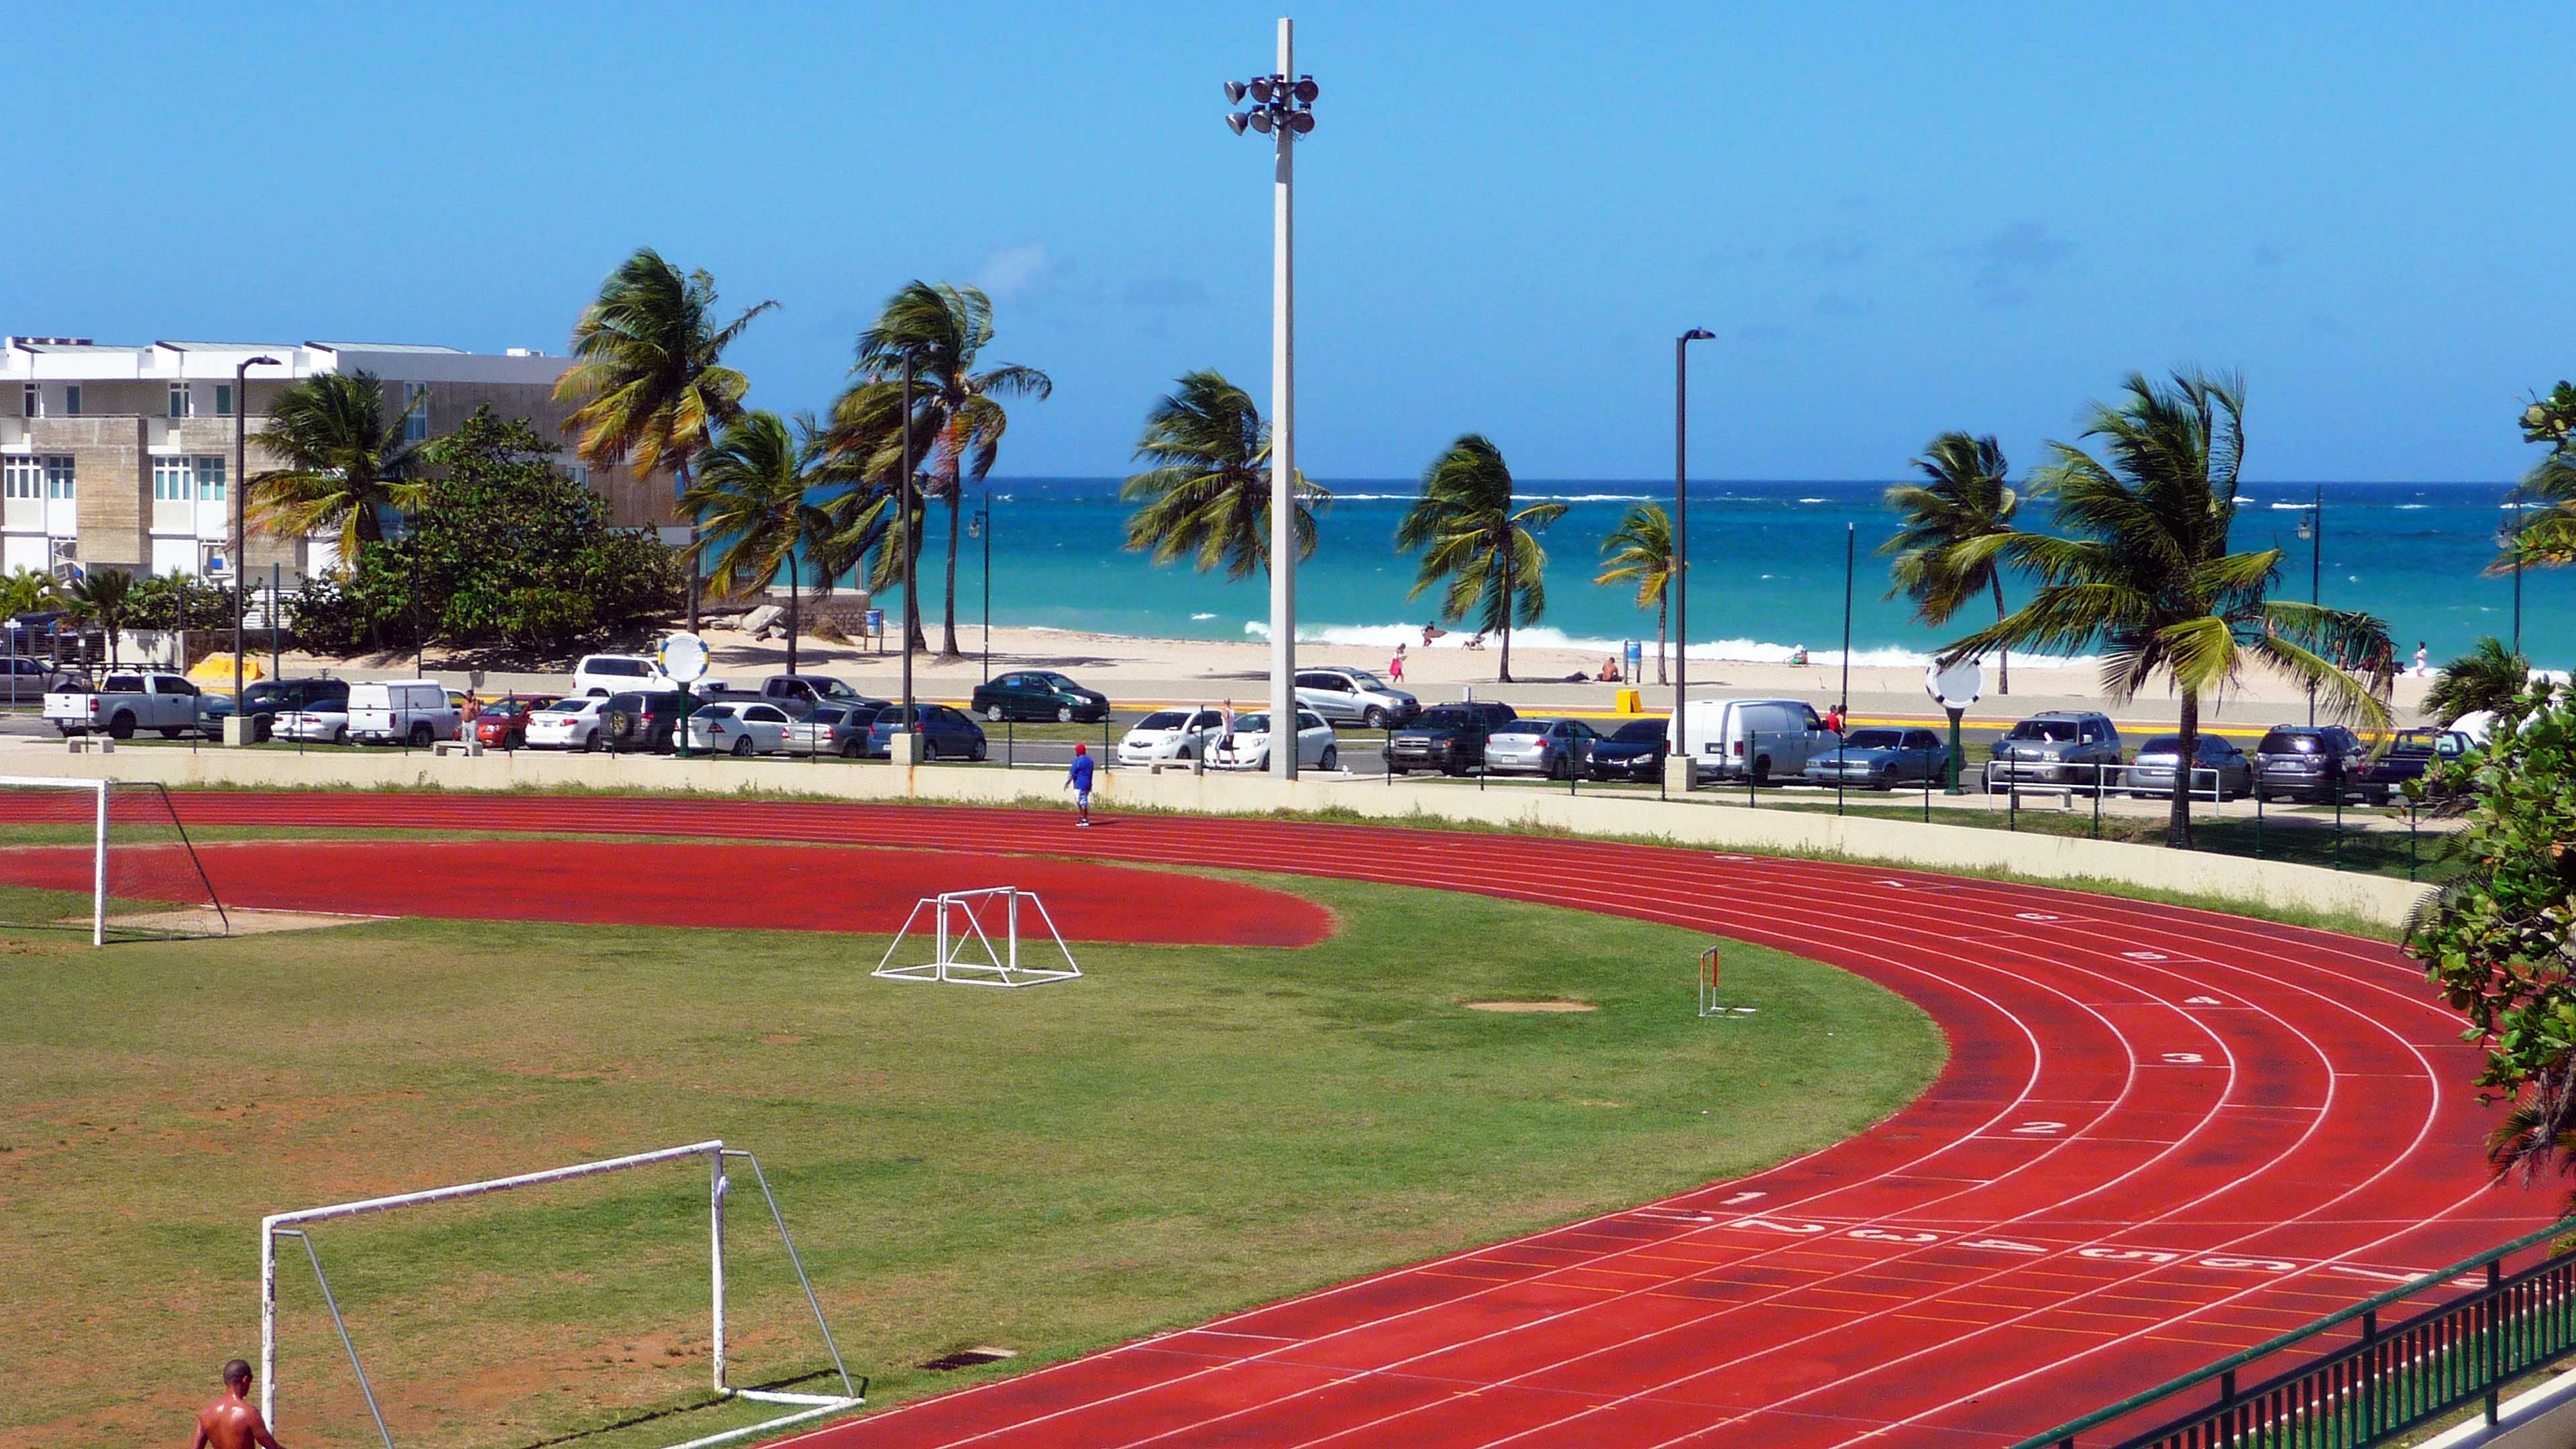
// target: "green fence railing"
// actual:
[[2348, 1381]]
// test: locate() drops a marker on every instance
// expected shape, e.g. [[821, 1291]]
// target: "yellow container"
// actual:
[[1629, 703]]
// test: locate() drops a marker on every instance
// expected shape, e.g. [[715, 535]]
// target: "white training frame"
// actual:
[[808, 1406], [98, 842], [998, 968]]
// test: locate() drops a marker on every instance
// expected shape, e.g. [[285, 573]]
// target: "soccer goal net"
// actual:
[[975, 939], [107, 857], [575, 1312]]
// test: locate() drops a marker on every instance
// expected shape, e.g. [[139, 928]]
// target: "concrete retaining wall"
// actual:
[[1931, 846]]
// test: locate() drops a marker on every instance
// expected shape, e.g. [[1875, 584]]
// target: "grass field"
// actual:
[[1185, 1131]]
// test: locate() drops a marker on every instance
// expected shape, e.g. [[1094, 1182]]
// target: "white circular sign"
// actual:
[[1956, 687], [682, 657]]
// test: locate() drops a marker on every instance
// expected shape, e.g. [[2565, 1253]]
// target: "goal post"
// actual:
[[712, 1152], [963, 927], [105, 856]]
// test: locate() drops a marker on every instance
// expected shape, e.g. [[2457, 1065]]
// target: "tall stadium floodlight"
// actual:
[[107, 857], [1281, 107], [713, 1153], [1679, 586]]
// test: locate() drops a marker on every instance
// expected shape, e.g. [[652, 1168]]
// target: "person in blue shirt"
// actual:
[[1078, 775]]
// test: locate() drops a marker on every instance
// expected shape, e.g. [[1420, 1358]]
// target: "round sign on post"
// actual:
[[682, 658], [1954, 688]]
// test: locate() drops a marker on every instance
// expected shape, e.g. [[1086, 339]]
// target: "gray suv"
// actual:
[[2059, 748]]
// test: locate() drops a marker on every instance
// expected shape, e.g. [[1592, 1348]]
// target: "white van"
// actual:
[[1770, 738], [617, 674], [416, 712]]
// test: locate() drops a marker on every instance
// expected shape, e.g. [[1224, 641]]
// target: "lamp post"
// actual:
[[2506, 540], [1851, 545], [1282, 107], [1681, 539], [980, 525], [241, 495], [2312, 527], [903, 521]]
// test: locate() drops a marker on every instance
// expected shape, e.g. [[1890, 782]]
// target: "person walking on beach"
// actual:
[[230, 1422], [1395, 666], [1078, 776], [2421, 654]]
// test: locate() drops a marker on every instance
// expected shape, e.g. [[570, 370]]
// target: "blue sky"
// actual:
[[1896, 219]]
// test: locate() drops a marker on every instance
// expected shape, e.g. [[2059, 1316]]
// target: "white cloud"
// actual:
[[1020, 271]]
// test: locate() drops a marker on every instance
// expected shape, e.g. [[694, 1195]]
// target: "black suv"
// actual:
[[2321, 763], [1449, 738], [263, 702], [645, 721]]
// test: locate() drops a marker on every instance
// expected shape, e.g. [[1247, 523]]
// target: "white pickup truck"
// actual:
[[124, 703]]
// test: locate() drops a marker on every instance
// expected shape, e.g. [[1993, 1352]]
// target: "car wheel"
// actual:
[[121, 727], [340, 736], [993, 713], [978, 753], [421, 736], [1374, 718], [170, 734], [1332, 757], [1185, 756], [849, 749], [929, 750], [1556, 769], [1762, 770], [1064, 714], [742, 748]]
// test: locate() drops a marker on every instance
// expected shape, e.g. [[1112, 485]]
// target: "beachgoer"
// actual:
[[2421, 655], [1476, 643], [230, 1422], [1431, 632], [1798, 655], [1834, 720], [1610, 671], [1395, 666], [1078, 776]]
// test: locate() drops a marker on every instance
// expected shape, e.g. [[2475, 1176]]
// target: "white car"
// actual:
[[568, 724], [1168, 736], [1248, 748], [606, 674], [733, 728], [323, 722]]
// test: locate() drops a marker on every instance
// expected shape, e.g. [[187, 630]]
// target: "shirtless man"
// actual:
[[230, 1422]]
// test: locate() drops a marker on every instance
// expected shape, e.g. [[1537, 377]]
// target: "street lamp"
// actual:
[[241, 494], [1681, 538], [2312, 530], [903, 521], [980, 525], [1281, 105], [2508, 540]]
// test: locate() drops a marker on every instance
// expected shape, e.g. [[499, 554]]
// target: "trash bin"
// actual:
[[873, 626], [1636, 657]]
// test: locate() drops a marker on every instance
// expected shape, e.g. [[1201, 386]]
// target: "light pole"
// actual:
[[2506, 540], [981, 526], [1282, 108], [903, 521], [1681, 539], [1851, 544], [241, 495], [2312, 527]]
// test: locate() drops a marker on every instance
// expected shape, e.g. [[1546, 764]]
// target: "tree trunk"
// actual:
[[948, 629], [2003, 657], [1663, 610], [2178, 824]]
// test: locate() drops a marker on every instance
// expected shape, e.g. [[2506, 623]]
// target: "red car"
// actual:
[[503, 724]]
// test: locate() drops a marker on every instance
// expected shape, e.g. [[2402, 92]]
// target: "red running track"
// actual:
[[2162, 1135]]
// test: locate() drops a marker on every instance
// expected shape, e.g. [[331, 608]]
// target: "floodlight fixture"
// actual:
[[1307, 90], [1237, 120], [1300, 122], [1234, 92], [1261, 89], [1261, 122]]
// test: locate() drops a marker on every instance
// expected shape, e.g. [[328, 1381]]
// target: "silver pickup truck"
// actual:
[[122, 703]]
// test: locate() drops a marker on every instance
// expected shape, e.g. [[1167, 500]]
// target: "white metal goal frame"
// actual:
[[951, 963], [1709, 1002], [99, 841], [804, 1406]]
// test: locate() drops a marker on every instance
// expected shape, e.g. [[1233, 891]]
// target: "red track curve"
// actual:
[[2163, 1134]]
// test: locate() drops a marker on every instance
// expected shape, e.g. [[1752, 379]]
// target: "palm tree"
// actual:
[[1471, 536], [2539, 1130], [1208, 496], [2145, 576], [1966, 498], [344, 461], [106, 596], [2543, 534], [1641, 548], [957, 422], [25, 591], [2487, 677], [755, 489], [649, 383]]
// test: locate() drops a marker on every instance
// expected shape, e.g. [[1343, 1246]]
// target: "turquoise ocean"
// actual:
[[1767, 573]]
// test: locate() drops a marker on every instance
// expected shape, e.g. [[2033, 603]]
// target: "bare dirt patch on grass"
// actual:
[[1519, 1008]]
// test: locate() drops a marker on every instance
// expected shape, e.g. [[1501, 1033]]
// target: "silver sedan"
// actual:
[[1551, 747]]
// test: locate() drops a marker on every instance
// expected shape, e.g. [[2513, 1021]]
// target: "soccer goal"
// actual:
[[105, 856], [1710, 1003], [963, 927], [713, 1155]]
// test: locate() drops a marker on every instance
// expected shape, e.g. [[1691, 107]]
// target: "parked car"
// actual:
[[323, 722], [1171, 735], [1882, 759], [2319, 763], [271, 699], [1039, 694], [1734, 738], [2219, 768], [616, 673], [833, 728], [1634, 751], [122, 703], [2059, 747], [416, 712], [646, 720], [1248, 746], [1449, 738], [814, 689], [212, 711], [502, 724], [946, 733], [568, 724], [729, 728], [1556, 748], [2407, 757], [1355, 696]]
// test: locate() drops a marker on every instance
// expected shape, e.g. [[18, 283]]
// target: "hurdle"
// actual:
[[1709, 1004], [964, 953]]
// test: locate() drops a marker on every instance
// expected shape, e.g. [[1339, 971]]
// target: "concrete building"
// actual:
[[122, 456]]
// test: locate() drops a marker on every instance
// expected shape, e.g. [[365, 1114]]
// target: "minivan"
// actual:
[[402, 711], [1733, 738]]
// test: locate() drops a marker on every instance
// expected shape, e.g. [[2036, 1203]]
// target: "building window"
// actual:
[[579, 473], [71, 400], [170, 480], [223, 399], [58, 478], [415, 412], [22, 477], [210, 480], [179, 407], [34, 404]]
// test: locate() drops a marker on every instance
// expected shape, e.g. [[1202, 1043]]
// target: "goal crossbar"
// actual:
[[292, 1224]]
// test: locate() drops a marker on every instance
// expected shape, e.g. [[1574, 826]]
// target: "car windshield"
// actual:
[[2414, 742], [2282, 742], [1640, 732], [833, 689], [1446, 717], [2161, 745], [1362, 679], [825, 717], [1252, 724], [716, 711], [2058, 730], [567, 706], [1529, 727], [1163, 719], [1874, 740]]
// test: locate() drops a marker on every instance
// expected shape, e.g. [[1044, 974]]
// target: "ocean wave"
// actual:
[[1739, 651], [1195, 618], [1815, 500]]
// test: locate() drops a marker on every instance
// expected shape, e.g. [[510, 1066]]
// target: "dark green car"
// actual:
[[1039, 694]]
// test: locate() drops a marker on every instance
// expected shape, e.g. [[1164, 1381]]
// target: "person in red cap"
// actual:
[[1078, 775]]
